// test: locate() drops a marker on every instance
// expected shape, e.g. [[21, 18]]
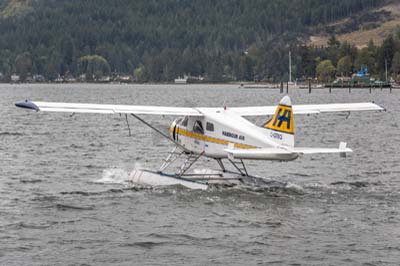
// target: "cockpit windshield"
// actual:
[[185, 121]]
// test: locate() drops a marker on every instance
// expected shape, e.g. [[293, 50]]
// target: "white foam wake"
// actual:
[[117, 175], [113, 176]]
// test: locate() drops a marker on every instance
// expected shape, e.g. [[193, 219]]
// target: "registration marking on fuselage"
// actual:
[[190, 134]]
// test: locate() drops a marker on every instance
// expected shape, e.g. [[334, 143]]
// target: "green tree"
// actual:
[[6, 62], [94, 66], [325, 70], [396, 64], [40, 65], [372, 51], [139, 73], [246, 69], [333, 42], [385, 54], [333, 50], [68, 55], [347, 49], [134, 33], [307, 63], [53, 66], [23, 64], [344, 66], [365, 57]]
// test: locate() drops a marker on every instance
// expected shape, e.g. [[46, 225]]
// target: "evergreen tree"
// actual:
[[325, 71], [165, 39]]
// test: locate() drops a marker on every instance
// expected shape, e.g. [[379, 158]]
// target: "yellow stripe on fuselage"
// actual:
[[186, 133]]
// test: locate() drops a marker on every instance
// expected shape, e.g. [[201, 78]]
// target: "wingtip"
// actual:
[[27, 105], [380, 106]]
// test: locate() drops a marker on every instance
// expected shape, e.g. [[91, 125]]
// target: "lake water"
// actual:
[[64, 199]]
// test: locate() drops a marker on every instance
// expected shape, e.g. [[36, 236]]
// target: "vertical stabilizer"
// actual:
[[281, 126]]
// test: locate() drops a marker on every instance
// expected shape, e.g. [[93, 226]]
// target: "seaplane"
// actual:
[[222, 134]]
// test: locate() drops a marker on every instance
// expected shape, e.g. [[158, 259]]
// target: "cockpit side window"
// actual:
[[185, 121], [198, 127]]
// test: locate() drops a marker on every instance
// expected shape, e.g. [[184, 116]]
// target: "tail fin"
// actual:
[[281, 126]]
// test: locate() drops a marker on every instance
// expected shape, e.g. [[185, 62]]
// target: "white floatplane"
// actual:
[[222, 134]]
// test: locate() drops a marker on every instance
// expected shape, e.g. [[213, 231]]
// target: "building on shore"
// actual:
[[360, 79]]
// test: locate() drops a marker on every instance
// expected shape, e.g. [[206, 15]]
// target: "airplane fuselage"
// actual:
[[212, 133]]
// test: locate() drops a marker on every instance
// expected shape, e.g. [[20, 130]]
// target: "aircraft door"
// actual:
[[198, 140]]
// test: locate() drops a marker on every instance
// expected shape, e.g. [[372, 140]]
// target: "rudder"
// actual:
[[281, 126]]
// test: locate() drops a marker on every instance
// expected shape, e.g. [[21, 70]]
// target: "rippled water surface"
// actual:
[[64, 199]]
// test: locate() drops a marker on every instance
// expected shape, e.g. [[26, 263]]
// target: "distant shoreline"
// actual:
[[240, 85]]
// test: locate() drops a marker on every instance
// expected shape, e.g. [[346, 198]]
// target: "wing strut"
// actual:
[[158, 131], [127, 123]]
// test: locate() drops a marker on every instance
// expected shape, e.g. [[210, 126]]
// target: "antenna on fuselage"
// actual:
[[224, 104]]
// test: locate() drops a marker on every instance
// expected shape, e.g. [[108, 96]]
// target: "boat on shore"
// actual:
[[259, 85], [181, 80]]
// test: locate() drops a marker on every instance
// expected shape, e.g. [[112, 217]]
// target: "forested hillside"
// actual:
[[161, 40]]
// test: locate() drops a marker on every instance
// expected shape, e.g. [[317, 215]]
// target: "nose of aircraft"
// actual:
[[173, 128]]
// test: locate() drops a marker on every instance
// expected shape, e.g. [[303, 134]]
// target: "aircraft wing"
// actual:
[[188, 111], [108, 108], [309, 109]]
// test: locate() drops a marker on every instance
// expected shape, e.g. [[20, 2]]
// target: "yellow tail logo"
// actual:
[[282, 120]]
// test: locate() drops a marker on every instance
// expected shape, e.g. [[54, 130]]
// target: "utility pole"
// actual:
[[290, 66], [386, 71]]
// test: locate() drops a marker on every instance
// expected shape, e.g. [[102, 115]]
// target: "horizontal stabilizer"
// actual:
[[342, 150], [320, 150], [261, 154], [286, 154]]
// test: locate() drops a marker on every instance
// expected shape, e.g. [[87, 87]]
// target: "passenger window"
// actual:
[[198, 127], [210, 126]]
